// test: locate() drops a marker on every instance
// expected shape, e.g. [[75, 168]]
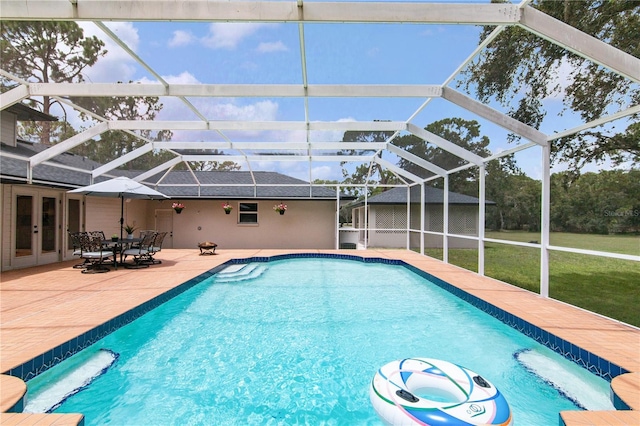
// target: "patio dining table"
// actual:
[[119, 246]]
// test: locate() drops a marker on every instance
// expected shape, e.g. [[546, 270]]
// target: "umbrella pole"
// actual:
[[121, 215]]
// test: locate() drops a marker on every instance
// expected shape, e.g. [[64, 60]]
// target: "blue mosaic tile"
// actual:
[[47, 357], [18, 407], [615, 370], [583, 355], [618, 403]]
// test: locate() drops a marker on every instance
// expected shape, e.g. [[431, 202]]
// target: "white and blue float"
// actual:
[[425, 391]]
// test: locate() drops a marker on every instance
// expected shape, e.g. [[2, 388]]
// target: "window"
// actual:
[[248, 213]]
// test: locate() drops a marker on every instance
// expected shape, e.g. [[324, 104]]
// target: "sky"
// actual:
[[249, 53]]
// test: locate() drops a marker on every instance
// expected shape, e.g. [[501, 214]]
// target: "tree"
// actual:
[[520, 65], [516, 197], [225, 166], [605, 202], [58, 130], [114, 144], [463, 133], [46, 51], [373, 174]]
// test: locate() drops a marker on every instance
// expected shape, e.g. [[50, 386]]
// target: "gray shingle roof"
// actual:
[[224, 184], [26, 113], [16, 169], [432, 196]]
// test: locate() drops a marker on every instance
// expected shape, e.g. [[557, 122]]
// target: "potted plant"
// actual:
[[129, 229], [227, 207], [114, 238], [178, 207], [280, 208]]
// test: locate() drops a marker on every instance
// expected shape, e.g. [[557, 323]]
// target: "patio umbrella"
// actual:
[[121, 187]]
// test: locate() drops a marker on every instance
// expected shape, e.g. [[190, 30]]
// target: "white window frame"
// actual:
[[250, 213]]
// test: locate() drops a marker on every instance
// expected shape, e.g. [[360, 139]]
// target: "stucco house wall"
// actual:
[[305, 225], [103, 213], [205, 220]]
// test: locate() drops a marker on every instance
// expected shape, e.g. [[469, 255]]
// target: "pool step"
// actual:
[[571, 380], [240, 272], [52, 396]]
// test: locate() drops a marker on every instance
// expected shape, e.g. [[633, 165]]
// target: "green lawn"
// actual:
[[610, 287], [623, 244]]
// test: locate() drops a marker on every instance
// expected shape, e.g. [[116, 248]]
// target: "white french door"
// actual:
[[36, 225]]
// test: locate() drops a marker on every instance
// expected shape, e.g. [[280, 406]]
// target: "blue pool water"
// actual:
[[298, 341]]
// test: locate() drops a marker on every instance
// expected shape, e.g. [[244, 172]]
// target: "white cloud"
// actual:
[[181, 38], [218, 109], [183, 78], [229, 35], [275, 46], [329, 135], [116, 65], [259, 111], [326, 172]]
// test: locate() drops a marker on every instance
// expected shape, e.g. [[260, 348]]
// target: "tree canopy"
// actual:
[[523, 67], [114, 144], [47, 51], [464, 133], [59, 52], [366, 173]]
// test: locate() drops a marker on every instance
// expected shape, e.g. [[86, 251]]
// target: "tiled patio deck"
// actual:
[[44, 307]]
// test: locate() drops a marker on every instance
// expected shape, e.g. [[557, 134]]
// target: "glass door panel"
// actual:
[[48, 232], [24, 226], [73, 219]]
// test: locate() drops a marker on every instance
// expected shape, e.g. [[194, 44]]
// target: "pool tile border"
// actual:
[[588, 360]]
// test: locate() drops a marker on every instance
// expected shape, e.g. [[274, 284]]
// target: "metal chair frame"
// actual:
[[94, 253], [140, 253], [156, 246]]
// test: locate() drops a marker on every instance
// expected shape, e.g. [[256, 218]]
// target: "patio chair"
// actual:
[[146, 231], [94, 253], [156, 246], [143, 233], [140, 253], [98, 234], [76, 244]]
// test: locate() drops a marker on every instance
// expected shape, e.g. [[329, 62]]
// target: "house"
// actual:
[[38, 216], [385, 218]]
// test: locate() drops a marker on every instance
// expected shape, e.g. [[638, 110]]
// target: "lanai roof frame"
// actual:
[[306, 12]]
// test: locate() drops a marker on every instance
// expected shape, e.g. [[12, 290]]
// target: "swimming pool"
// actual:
[[298, 341]]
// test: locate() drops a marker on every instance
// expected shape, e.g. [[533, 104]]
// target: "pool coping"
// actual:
[[592, 362]]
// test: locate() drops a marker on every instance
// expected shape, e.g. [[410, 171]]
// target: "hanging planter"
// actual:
[[280, 208], [178, 207], [227, 207]]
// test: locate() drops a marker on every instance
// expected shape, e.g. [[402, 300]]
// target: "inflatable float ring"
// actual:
[[425, 391]]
